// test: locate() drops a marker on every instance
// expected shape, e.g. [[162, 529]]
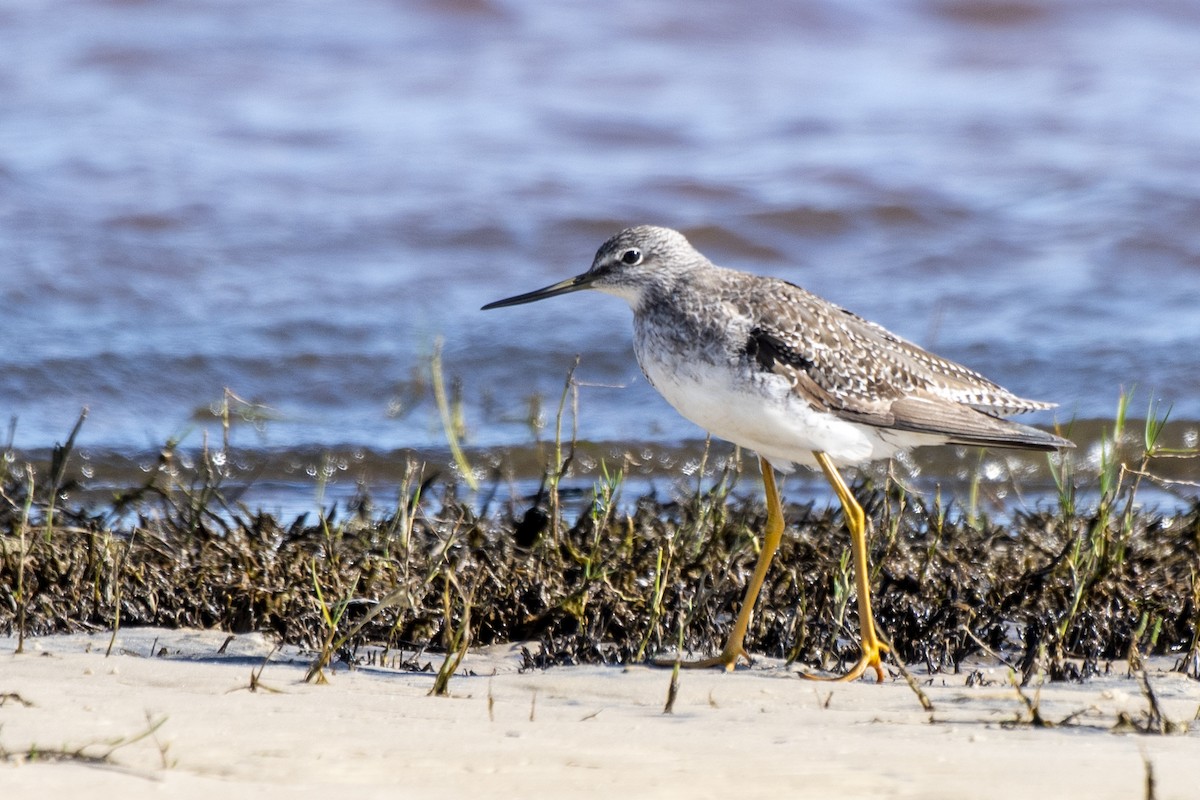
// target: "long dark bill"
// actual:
[[562, 287]]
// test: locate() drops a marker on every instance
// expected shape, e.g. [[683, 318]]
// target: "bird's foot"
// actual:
[[727, 660], [871, 658]]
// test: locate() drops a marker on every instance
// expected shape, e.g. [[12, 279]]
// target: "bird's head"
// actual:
[[626, 266]]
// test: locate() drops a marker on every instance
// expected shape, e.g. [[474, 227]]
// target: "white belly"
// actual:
[[767, 418]]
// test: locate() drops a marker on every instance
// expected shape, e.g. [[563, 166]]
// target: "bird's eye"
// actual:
[[631, 257]]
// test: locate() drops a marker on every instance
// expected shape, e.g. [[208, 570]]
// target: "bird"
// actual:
[[762, 363]]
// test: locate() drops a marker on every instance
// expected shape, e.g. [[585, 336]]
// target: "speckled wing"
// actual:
[[840, 362]]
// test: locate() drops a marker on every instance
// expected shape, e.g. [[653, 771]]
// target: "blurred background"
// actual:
[[298, 201]]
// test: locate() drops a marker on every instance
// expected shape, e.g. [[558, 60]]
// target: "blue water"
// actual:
[[296, 201]]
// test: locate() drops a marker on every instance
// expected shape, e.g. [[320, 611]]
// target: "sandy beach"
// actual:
[[579, 731]]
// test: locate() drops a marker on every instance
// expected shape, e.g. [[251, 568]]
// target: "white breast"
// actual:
[[762, 414]]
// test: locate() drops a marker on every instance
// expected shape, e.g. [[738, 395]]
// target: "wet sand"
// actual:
[[577, 731]]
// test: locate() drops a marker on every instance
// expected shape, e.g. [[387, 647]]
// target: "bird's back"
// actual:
[[834, 361]]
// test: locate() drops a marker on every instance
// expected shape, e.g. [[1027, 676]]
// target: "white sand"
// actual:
[[567, 732]]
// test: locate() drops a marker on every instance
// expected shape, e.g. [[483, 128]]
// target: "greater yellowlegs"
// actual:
[[775, 369]]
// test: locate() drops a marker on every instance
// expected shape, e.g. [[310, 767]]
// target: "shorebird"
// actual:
[[775, 369]]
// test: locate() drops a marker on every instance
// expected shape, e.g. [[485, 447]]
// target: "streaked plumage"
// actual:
[[774, 368]]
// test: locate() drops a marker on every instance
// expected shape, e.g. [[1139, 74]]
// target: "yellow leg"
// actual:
[[856, 521], [735, 645]]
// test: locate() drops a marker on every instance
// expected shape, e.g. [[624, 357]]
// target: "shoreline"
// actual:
[[592, 730]]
